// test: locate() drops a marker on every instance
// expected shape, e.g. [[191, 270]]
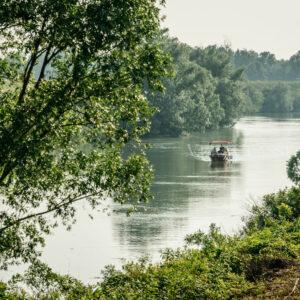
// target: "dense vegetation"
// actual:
[[216, 267], [205, 92], [273, 85], [63, 131], [214, 86], [65, 124], [272, 97], [265, 66]]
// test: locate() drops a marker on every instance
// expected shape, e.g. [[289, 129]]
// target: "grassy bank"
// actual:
[[261, 262]]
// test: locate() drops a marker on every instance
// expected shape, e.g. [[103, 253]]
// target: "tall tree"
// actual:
[[189, 102], [206, 92], [229, 87], [71, 76]]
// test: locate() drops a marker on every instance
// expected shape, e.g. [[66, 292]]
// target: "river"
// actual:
[[188, 195]]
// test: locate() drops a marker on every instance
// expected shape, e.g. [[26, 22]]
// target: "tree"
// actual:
[[206, 92], [293, 168], [265, 66], [189, 102], [168, 119], [71, 76], [277, 98], [215, 59], [254, 99], [294, 64], [229, 82]]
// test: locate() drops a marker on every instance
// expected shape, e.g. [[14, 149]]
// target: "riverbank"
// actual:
[[279, 284], [261, 262], [249, 264], [188, 195]]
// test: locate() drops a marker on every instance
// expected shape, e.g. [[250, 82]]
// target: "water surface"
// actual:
[[189, 195]]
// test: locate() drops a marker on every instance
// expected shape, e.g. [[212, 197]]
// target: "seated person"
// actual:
[[222, 149], [214, 151]]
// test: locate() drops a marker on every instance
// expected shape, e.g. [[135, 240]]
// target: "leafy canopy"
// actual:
[[205, 93], [71, 74]]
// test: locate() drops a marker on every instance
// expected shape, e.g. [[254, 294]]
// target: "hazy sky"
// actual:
[[261, 25]]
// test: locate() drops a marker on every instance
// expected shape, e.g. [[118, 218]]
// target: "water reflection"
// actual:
[[187, 191], [189, 195]]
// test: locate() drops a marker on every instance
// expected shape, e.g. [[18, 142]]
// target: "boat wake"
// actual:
[[202, 152], [199, 153]]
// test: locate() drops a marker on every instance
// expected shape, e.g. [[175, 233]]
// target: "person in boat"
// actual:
[[223, 150], [214, 151]]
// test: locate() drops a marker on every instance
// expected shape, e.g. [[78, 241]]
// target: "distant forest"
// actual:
[[265, 66], [213, 87]]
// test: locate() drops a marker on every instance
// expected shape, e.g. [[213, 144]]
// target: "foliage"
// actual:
[[43, 283], [264, 66], [71, 77], [293, 168], [254, 98], [284, 205], [273, 85], [209, 89], [223, 267], [272, 97], [205, 92], [217, 266], [277, 99], [229, 82]]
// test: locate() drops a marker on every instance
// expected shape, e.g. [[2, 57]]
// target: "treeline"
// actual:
[[265, 66], [206, 91], [272, 97], [273, 85], [213, 87]]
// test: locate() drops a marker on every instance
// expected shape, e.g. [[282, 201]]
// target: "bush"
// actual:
[[293, 168], [221, 267], [217, 266]]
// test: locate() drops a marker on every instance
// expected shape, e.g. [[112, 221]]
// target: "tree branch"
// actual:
[[54, 53], [31, 64], [47, 211], [27, 72], [42, 72], [6, 171]]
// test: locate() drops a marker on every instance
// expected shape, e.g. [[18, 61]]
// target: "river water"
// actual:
[[188, 195]]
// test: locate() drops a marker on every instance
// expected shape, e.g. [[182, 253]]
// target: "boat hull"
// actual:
[[219, 157]]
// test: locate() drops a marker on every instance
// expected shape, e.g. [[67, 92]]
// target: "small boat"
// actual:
[[222, 155]]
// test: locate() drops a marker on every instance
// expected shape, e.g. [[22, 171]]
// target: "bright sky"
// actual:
[[260, 25]]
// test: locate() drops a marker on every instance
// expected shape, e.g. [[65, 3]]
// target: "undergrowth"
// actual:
[[217, 266]]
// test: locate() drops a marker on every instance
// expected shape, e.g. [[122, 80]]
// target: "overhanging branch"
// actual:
[[47, 211]]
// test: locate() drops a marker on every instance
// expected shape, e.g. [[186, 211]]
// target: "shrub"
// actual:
[[217, 266]]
